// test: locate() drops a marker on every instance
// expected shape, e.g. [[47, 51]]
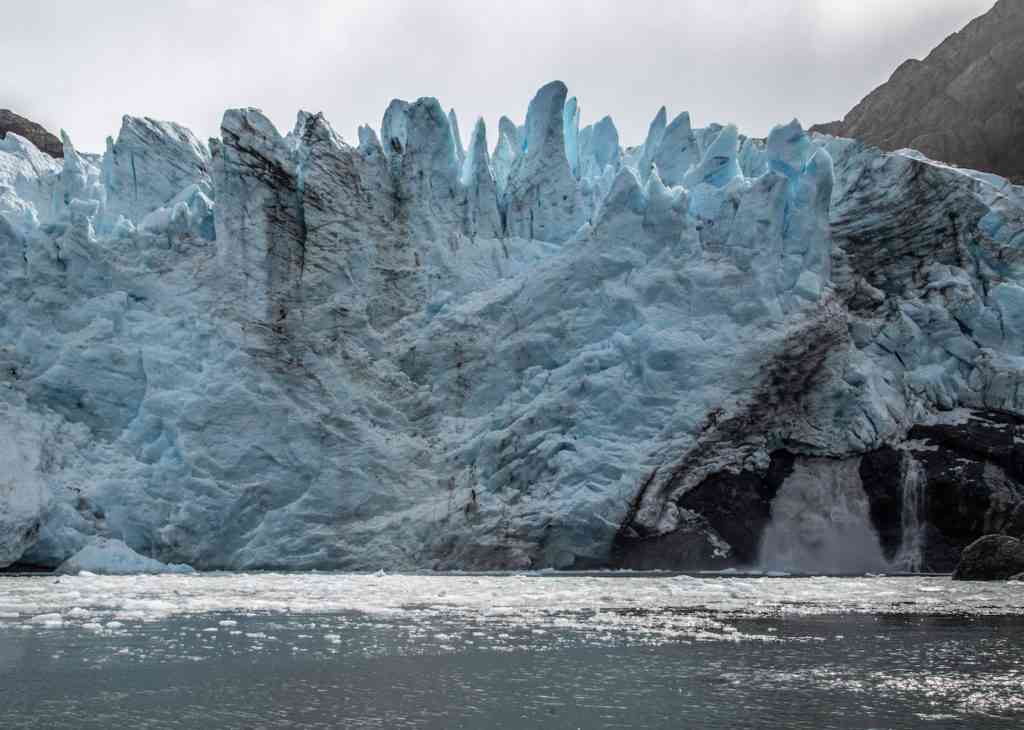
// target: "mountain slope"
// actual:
[[963, 104], [33, 132]]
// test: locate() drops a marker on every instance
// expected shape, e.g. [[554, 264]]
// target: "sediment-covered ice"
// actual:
[[281, 350]]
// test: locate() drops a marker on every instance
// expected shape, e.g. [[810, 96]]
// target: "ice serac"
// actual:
[[426, 170], [543, 198], [508, 129], [719, 165], [453, 125], [29, 183], [317, 355], [24, 448], [261, 239], [604, 146], [481, 190], [150, 164], [788, 149], [504, 156], [655, 135], [677, 151], [571, 130]]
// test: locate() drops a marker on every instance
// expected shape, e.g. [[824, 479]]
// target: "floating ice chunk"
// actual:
[[112, 557], [48, 619]]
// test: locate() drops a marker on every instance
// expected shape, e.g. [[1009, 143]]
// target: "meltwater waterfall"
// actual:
[[820, 522], [911, 555]]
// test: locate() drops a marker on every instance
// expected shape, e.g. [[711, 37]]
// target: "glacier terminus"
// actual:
[[545, 350]]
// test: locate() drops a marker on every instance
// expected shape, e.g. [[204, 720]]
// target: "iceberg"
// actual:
[[281, 350], [103, 556]]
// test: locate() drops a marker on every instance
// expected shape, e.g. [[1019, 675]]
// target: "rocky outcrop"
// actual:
[[33, 132], [992, 557], [963, 104], [947, 485]]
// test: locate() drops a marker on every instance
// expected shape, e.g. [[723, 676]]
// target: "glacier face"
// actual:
[[285, 351]]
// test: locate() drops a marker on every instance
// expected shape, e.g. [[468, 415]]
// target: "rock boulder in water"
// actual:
[[992, 557]]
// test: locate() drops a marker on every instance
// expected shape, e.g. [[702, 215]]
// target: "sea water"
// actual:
[[509, 651]]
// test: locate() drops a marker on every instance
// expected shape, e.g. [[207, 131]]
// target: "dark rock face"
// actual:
[[946, 485], [975, 483], [738, 506], [34, 133], [693, 546], [972, 485], [963, 104], [992, 557], [881, 474], [731, 509]]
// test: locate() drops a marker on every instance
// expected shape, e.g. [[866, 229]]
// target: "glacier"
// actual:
[[284, 351]]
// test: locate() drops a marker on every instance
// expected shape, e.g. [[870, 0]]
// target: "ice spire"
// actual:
[[677, 152], [74, 176], [604, 144], [571, 131], [655, 134], [453, 124], [393, 127], [504, 157], [480, 188], [508, 129], [789, 148], [543, 199], [719, 165], [369, 144]]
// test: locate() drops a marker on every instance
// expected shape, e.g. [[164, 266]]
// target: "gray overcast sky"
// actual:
[[81, 65]]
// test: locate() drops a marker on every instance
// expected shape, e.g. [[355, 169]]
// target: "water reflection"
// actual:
[[353, 670]]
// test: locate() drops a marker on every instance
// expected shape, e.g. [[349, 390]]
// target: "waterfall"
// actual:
[[911, 555], [820, 522]]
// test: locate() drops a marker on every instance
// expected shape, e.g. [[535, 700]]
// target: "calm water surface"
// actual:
[[508, 652]]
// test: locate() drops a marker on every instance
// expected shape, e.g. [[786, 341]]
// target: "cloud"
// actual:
[[754, 62]]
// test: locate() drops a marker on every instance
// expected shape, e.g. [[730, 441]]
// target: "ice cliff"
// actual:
[[286, 351]]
